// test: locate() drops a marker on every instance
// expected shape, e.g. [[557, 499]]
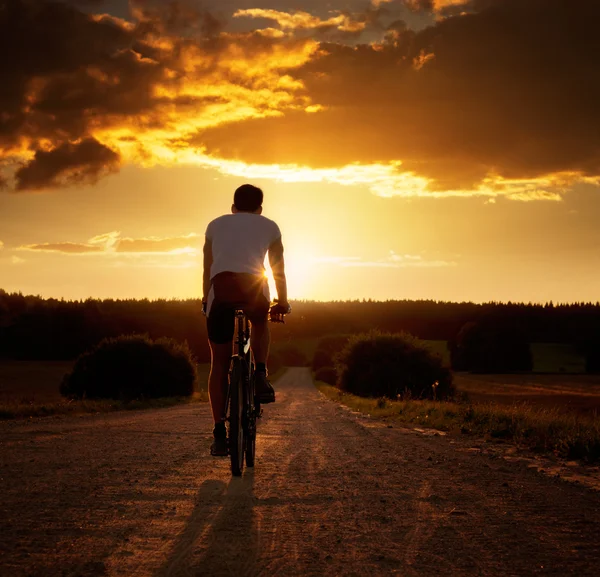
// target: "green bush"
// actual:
[[327, 375], [132, 367], [388, 365], [327, 349]]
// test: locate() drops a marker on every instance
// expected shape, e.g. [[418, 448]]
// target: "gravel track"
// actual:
[[332, 493]]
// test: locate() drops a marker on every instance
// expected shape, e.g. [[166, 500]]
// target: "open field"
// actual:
[[31, 388], [546, 357], [556, 358], [32, 381], [578, 394]]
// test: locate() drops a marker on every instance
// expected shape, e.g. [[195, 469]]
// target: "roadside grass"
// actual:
[[21, 409], [40, 398], [543, 430]]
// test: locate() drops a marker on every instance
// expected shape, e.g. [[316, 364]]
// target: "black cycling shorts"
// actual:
[[232, 291]]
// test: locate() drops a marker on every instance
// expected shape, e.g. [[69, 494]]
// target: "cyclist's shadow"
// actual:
[[221, 539]]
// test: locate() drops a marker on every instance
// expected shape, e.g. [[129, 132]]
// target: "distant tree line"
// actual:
[[35, 328]]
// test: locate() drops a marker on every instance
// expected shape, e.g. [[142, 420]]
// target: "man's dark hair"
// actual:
[[248, 198]]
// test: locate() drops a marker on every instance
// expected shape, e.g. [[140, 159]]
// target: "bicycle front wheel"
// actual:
[[251, 413], [236, 411]]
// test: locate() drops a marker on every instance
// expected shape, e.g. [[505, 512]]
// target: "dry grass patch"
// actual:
[[571, 436]]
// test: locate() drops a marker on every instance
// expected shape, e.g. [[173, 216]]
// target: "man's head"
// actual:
[[247, 198]]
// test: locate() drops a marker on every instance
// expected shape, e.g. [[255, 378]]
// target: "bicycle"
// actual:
[[242, 408]]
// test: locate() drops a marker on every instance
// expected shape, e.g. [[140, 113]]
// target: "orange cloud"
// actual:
[[113, 91], [113, 243], [427, 5], [451, 109], [157, 245], [64, 247], [303, 20]]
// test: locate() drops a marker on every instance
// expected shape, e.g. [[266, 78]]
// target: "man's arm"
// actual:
[[208, 260], [278, 267]]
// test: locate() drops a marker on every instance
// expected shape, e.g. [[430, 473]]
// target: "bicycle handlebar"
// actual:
[[277, 312]]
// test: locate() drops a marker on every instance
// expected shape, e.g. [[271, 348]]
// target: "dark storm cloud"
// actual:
[[66, 165], [494, 87], [510, 89], [67, 74], [44, 42]]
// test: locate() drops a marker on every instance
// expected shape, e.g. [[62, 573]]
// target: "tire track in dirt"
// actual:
[[332, 493]]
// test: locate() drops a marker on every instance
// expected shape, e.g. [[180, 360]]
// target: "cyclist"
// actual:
[[234, 277]]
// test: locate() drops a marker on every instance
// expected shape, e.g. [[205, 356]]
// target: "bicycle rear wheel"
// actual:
[[251, 424], [236, 411]]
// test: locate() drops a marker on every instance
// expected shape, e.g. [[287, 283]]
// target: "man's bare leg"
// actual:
[[217, 381], [260, 341]]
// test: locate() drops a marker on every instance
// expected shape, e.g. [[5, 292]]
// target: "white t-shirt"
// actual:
[[240, 242]]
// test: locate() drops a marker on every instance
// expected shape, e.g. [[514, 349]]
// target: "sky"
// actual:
[[408, 149]]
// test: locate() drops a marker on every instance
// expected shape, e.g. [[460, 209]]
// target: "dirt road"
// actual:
[[136, 494]]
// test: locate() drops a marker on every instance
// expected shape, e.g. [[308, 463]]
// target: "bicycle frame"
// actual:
[[243, 335], [240, 405], [241, 408]]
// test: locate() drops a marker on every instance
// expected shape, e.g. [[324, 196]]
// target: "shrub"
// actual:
[[379, 364], [132, 367], [327, 349], [589, 344], [327, 375], [492, 346]]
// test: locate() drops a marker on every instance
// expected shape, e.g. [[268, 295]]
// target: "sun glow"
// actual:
[[299, 272]]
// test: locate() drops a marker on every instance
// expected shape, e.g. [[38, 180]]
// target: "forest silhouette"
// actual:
[[32, 327]]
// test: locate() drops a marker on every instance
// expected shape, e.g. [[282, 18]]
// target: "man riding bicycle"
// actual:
[[234, 278]]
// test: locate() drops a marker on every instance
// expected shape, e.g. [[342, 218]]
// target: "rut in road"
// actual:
[[331, 494]]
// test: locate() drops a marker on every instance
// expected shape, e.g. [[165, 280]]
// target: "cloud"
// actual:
[[388, 180], [486, 100], [85, 92], [432, 5], [157, 245], [112, 243], [64, 247], [494, 98], [304, 20], [16, 260], [107, 240], [69, 164], [1, 245]]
